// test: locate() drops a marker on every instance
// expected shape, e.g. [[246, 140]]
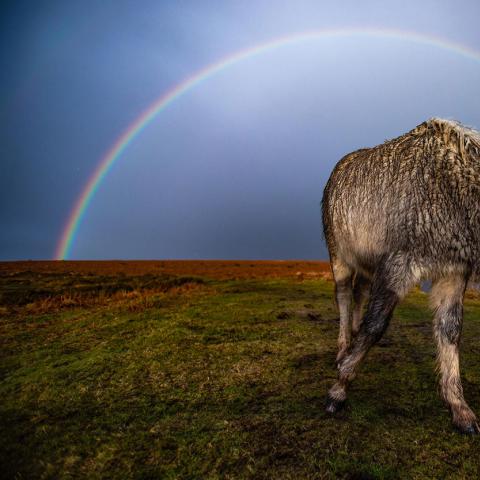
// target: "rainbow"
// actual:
[[78, 211]]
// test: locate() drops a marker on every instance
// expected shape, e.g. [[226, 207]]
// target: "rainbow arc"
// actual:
[[82, 203]]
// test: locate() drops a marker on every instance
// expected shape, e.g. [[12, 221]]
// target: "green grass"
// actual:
[[145, 377]]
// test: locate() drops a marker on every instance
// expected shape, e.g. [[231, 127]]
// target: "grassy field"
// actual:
[[109, 374]]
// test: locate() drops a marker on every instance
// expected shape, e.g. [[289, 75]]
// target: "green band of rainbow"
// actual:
[[77, 214]]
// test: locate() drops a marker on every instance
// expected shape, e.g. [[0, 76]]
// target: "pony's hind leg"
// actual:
[[390, 283], [361, 290], [447, 302], [343, 276]]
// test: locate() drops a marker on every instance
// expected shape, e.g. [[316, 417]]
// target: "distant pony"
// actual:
[[395, 214]]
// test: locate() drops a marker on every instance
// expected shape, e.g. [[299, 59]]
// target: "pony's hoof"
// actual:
[[333, 406], [470, 429]]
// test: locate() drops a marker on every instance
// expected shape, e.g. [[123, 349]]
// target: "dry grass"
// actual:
[[215, 269], [133, 300]]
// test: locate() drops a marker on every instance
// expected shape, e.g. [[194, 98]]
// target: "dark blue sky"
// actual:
[[235, 168]]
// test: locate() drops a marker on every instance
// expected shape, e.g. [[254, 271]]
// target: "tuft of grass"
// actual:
[[43, 292], [145, 377]]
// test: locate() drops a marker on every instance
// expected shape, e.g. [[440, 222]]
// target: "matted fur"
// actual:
[[418, 193], [395, 214]]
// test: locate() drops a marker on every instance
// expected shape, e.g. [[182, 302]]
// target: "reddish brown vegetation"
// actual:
[[219, 269]]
